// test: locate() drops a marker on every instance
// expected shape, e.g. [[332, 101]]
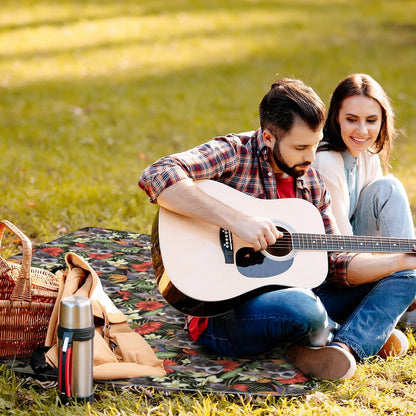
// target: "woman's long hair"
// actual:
[[364, 85]]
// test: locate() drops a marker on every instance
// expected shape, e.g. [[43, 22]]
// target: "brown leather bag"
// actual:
[[118, 351]]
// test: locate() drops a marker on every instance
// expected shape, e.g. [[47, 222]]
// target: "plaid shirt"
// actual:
[[241, 161]]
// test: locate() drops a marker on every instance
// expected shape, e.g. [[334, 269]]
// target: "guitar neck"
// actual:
[[360, 244]]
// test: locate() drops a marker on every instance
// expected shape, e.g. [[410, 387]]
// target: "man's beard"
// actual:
[[284, 167]]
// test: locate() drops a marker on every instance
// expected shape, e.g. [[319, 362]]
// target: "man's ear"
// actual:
[[269, 138]]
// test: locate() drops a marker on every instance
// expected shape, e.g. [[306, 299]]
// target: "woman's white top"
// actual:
[[330, 165]]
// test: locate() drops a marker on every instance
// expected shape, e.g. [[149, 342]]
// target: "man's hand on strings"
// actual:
[[258, 231]]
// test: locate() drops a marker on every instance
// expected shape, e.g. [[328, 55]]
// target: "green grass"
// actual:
[[93, 91]]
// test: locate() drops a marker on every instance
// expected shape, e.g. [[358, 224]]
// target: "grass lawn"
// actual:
[[91, 92]]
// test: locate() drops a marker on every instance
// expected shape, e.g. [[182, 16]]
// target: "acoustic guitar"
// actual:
[[204, 270]]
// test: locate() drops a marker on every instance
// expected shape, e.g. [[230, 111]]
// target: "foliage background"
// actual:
[[91, 92]]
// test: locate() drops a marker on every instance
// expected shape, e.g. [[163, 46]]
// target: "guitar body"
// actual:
[[200, 277]]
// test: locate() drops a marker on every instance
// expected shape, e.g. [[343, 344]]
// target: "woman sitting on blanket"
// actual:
[[359, 130]]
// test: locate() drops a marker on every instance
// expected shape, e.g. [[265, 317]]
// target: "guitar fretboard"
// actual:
[[361, 244]]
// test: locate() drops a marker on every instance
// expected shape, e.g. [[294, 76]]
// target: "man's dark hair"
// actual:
[[290, 100]]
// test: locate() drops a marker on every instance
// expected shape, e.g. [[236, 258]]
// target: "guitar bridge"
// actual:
[[226, 241]]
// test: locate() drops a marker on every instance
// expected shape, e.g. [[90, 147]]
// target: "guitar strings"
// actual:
[[357, 242]]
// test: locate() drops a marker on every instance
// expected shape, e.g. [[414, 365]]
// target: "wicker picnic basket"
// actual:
[[27, 297]]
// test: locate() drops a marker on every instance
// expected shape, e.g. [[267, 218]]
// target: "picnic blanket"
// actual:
[[123, 262]]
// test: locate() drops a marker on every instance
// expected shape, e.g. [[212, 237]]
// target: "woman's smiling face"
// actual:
[[360, 121]]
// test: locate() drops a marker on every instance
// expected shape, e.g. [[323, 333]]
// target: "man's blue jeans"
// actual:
[[259, 325], [365, 315]]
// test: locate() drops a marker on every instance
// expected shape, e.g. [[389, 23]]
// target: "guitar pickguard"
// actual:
[[252, 263]]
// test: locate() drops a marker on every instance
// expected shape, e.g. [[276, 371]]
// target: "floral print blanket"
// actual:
[[123, 262]]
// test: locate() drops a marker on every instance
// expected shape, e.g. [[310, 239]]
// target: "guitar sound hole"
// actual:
[[283, 245]]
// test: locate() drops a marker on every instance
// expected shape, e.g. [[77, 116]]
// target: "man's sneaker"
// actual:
[[325, 363], [396, 346]]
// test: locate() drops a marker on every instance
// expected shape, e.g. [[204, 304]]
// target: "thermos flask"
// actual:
[[75, 337]]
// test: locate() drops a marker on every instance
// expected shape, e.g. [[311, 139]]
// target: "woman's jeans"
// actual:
[[383, 210], [368, 313]]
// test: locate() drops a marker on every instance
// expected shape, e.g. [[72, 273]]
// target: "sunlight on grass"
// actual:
[[98, 41], [108, 46]]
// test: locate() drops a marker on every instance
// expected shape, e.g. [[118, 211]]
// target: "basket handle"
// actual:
[[21, 291]]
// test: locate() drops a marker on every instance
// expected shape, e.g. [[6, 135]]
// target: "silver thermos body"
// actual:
[[75, 340]]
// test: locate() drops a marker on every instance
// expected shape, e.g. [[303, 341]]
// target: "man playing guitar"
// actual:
[[365, 295]]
